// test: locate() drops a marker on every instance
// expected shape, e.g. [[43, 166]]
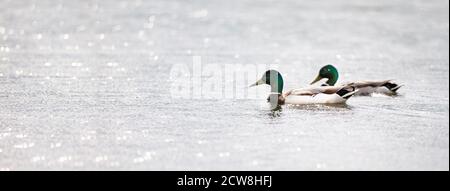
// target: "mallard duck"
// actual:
[[366, 87], [311, 95]]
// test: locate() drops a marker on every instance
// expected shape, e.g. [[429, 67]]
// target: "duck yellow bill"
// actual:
[[316, 80], [259, 82]]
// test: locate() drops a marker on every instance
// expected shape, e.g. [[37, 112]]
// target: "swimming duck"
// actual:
[[310, 95], [366, 87]]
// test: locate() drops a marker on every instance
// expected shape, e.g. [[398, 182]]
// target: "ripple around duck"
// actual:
[[322, 107]]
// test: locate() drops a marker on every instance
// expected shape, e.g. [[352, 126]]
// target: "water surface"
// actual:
[[85, 85]]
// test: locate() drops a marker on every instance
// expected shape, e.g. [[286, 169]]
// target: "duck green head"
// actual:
[[329, 72], [272, 78]]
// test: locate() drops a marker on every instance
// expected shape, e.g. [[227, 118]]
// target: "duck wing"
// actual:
[[311, 91], [367, 83], [374, 84]]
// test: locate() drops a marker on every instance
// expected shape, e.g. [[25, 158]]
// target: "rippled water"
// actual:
[[85, 85]]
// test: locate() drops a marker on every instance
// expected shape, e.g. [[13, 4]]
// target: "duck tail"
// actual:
[[392, 86], [347, 92]]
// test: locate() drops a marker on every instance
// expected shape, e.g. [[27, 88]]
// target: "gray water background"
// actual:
[[84, 85]]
